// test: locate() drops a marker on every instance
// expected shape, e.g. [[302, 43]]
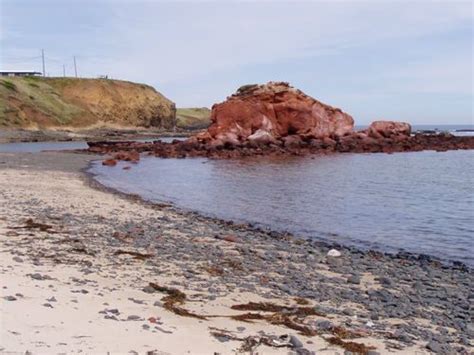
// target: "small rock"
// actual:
[[348, 312], [134, 317], [37, 276], [334, 253], [370, 324], [230, 238], [10, 298], [434, 347], [354, 279], [48, 305], [295, 342], [148, 289]]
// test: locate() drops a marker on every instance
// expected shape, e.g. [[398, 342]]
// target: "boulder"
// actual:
[[387, 129], [264, 113]]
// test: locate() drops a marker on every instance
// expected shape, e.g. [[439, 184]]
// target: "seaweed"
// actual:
[[282, 319], [175, 297], [281, 315], [31, 224], [135, 254], [301, 301], [248, 317], [344, 333], [271, 307], [351, 346]]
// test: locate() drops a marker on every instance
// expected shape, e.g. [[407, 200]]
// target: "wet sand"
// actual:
[[86, 269]]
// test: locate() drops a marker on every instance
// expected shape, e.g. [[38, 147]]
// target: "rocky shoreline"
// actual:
[[130, 150], [243, 287]]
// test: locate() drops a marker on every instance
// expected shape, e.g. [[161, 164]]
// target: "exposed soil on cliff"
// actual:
[[46, 103]]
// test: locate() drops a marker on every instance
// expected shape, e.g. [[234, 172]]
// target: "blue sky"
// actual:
[[399, 60]]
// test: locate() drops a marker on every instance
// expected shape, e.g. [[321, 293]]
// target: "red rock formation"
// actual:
[[265, 113], [387, 129], [109, 162]]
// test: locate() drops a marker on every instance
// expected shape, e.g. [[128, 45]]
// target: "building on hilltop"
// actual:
[[19, 73]]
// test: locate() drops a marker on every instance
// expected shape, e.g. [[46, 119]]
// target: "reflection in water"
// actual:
[[421, 202]]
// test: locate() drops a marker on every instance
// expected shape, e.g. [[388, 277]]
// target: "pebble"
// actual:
[[134, 318], [10, 298], [334, 253], [295, 342], [354, 279]]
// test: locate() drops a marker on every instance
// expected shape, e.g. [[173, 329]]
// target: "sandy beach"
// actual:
[[87, 270]]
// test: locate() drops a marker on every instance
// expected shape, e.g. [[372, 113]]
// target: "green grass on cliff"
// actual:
[[42, 103], [21, 99], [193, 118]]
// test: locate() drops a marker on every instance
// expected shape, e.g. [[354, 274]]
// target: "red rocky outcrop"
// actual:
[[387, 129], [266, 113], [277, 119]]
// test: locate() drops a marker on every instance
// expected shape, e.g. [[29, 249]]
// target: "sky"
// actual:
[[397, 60]]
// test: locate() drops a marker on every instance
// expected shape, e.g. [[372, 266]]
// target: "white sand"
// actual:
[[74, 324]]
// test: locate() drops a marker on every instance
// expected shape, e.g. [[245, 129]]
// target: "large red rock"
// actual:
[[387, 129], [263, 113]]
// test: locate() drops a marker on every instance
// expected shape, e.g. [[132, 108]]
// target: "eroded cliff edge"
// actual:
[[59, 103]]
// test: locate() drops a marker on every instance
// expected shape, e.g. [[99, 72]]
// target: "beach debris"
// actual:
[[358, 348], [31, 224], [334, 253], [301, 301], [174, 298], [135, 254], [251, 342], [288, 316]]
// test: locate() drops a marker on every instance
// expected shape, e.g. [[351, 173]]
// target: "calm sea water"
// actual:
[[420, 202], [36, 147]]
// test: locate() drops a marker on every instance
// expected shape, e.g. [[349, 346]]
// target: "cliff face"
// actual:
[[38, 103]]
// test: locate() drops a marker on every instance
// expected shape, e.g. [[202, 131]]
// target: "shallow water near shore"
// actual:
[[420, 202], [36, 147]]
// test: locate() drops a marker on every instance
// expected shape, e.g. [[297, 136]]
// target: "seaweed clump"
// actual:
[[174, 298]]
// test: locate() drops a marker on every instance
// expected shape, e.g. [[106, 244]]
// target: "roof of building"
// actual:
[[20, 71]]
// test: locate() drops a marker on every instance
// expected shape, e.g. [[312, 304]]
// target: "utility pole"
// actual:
[[64, 70], [75, 66], [42, 56]]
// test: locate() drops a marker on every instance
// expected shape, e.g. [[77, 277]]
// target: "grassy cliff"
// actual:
[[193, 118], [39, 103]]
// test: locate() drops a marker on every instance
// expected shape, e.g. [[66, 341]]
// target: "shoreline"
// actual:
[[370, 294], [256, 228], [86, 134]]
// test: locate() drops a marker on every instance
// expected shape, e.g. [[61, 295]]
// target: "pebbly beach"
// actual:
[[88, 269]]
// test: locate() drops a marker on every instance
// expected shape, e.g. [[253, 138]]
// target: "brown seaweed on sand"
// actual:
[[357, 348], [31, 224], [135, 254], [281, 315], [175, 297], [251, 342]]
